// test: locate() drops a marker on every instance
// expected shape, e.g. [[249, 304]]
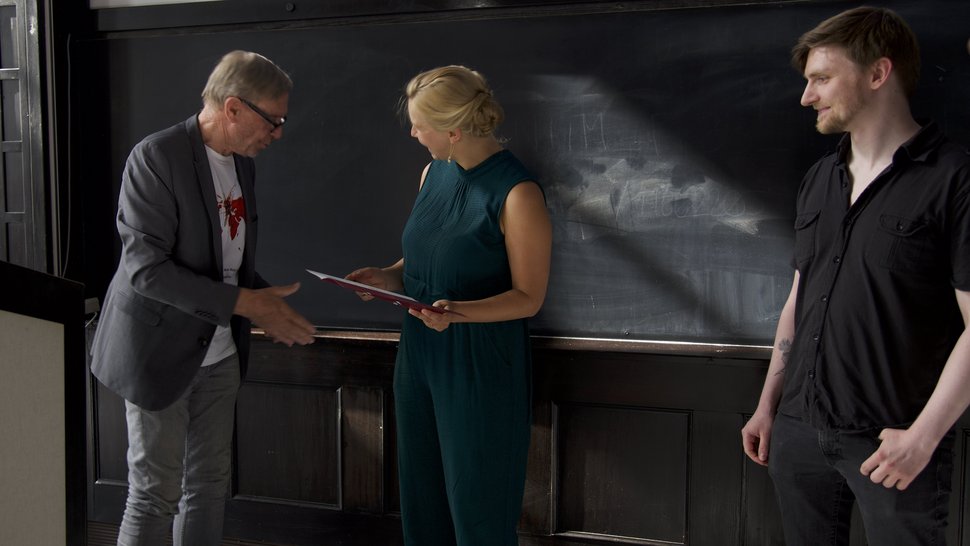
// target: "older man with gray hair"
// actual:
[[174, 337]]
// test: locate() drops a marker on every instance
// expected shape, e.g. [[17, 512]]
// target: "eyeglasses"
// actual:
[[269, 119]]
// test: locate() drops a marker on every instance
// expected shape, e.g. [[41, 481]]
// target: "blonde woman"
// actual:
[[477, 245]]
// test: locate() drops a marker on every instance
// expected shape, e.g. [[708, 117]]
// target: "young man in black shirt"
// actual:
[[871, 365]]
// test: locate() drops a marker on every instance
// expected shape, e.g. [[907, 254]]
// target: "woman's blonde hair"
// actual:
[[248, 75], [454, 97]]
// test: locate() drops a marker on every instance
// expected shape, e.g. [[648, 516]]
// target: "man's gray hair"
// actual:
[[248, 75]]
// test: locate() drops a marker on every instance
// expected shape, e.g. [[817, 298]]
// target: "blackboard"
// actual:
[[670, 144]]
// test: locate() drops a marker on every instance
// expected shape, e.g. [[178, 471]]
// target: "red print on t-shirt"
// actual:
[[235, 211]]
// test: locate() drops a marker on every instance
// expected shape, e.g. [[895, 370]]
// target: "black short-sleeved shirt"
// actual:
[[876, 315]]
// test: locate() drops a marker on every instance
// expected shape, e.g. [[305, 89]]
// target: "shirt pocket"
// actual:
[[902, 244], [806, 225]]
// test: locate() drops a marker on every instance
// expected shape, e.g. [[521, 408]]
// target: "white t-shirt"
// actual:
[[232, 218]]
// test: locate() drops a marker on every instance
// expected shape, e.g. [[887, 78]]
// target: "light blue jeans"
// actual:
[[179, 463]]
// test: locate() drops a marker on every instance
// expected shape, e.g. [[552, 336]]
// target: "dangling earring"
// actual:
[[450, 151]]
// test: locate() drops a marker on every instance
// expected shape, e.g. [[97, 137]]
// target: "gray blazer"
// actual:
[[167, 296]]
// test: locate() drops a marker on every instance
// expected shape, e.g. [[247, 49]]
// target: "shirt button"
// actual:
[[203, 342], [825, 299], [815, 337], [811, 374], [837, 259], [899, 226]]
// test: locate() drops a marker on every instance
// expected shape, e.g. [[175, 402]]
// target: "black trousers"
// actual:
[[816, 476]]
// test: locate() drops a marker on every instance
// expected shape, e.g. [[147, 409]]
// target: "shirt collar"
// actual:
[[917, 149]]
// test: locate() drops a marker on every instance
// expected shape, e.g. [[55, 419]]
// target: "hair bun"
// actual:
[[452, 97]]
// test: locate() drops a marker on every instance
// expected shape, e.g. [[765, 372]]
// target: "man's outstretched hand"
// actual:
[[266, 309]]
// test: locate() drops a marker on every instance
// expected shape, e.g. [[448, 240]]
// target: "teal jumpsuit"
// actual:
[[462, 396]]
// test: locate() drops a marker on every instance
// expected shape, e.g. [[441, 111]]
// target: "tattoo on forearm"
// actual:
[[784, 347]]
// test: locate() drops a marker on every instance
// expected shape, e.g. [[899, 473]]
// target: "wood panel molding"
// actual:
[[627, 448]]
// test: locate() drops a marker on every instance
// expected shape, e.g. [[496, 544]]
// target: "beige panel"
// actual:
[[32, 447]]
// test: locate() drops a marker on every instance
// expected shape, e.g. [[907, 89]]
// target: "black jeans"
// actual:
[[816, 476]]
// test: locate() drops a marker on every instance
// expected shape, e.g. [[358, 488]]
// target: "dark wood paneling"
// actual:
[[760, 519], [362, 440], [281, 523], [112, 449], [105, 534], [392, 491], [286, 444], [622, 472], [537, 502], [363, 361], [640, 445], [696, 383], [714, 491]]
